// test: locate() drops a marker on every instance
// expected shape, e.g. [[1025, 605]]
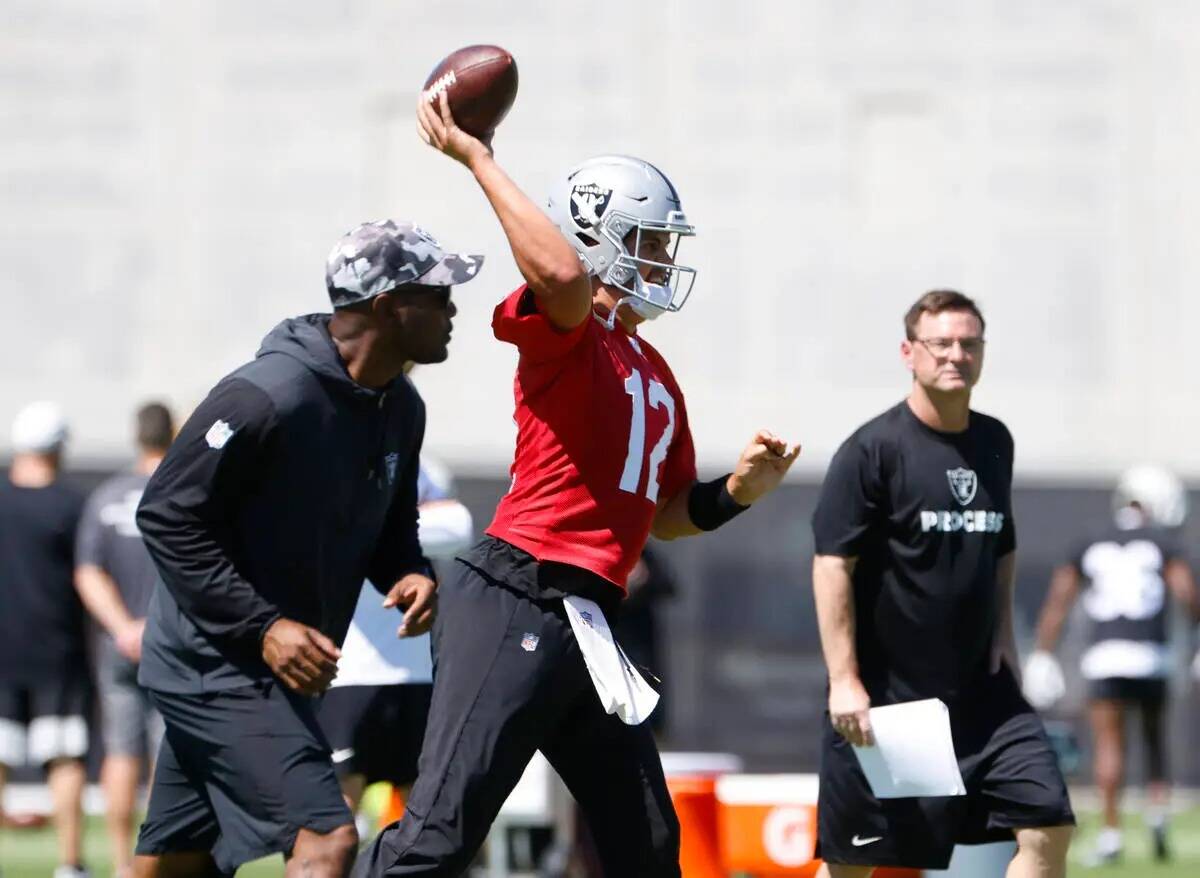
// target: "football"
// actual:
[[481, 84]]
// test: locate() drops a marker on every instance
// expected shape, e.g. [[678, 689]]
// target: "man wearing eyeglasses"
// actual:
[[913, 577]]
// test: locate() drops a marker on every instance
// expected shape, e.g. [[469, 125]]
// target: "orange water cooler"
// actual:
[[692, 780], [767, 826]]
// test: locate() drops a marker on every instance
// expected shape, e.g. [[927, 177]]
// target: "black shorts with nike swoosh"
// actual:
[[1008, 767]]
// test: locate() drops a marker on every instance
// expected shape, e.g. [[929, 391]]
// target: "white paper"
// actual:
[[913, 753]]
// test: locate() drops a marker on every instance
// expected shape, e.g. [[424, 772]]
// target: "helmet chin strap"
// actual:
[[611, 320], [645, 310], [642, 308]]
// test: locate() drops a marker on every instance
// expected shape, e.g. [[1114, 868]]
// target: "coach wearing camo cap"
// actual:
[[263, 520]]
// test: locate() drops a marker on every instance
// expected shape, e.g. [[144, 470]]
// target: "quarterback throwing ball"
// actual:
[[604, 457]]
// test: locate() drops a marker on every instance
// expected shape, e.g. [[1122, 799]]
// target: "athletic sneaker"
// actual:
[[1108, 848]]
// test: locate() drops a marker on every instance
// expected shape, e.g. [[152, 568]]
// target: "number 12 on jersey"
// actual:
[[658, 397]]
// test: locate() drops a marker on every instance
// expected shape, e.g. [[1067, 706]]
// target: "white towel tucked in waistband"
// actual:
[[621, 688]]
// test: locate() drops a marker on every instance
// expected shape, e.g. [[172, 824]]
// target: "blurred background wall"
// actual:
[[172, 175]]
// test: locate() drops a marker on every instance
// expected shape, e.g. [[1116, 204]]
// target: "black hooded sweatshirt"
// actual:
[[286, 487]]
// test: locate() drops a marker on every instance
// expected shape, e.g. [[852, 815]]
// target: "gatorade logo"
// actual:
[[787, 836]]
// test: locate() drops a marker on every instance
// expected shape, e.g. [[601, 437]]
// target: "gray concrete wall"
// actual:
[[173, 173]]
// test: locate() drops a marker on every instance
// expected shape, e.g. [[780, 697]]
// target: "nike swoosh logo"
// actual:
[[859, 842], [342, 755]]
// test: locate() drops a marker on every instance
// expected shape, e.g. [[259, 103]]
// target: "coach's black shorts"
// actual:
[[376, 731], [1148, 691], [1008, 766], [508, 680], [240, 773]]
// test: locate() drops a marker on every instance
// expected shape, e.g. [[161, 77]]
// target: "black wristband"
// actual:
[[710, 504]]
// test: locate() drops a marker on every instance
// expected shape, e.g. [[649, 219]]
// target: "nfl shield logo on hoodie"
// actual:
[[529, 642], [218, 434]]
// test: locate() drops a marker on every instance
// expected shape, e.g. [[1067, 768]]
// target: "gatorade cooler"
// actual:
[[692, 780], [767, 826]]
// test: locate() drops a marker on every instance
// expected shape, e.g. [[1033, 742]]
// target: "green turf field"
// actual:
[[1184, 838], [30, 853]]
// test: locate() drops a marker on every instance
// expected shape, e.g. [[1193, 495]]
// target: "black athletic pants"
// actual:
[[508, 680]]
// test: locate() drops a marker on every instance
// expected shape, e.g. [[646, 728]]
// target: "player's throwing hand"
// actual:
[[762, 466], [436, 126]]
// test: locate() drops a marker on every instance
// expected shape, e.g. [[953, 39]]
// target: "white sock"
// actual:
[[1109, 840]]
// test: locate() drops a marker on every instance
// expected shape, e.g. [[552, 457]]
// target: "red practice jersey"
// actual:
[[602, 435]]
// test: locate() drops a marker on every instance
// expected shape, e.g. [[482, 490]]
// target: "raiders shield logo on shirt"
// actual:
[[588, 203], [963, 484]]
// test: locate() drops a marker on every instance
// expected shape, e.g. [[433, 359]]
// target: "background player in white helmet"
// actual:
[[375, 710], [1124, 576]]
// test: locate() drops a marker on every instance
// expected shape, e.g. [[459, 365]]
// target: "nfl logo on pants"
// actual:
[[529, 642]]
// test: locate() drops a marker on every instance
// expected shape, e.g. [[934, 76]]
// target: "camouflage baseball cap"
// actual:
[[380, 256]]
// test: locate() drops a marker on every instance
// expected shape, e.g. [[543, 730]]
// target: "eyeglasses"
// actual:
[[939, 347]]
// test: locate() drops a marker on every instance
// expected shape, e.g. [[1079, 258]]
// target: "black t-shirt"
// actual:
[[41, 617], [1125, 596], [927, 514]]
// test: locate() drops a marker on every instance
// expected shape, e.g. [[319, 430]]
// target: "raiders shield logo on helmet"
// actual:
[[963, 484], [588, 203]]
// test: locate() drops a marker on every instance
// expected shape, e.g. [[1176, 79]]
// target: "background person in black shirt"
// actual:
[[45, 693], [115, 576], [1126, 576], [291, 483], [913, 577]]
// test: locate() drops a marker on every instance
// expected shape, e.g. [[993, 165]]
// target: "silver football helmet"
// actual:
[[599, 203], [1158, 491]]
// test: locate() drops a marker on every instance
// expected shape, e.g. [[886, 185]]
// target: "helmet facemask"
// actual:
[[648, 300], [1158, 493]]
